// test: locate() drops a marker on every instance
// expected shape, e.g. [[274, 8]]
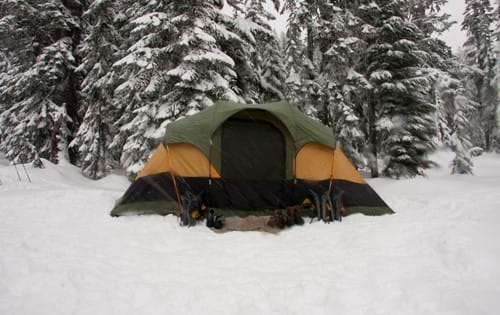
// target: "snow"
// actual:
[[204, 36], [141, 57], [155, 19], [247, 27], [61, 252], [381, 75], [214, 56], [154, 83], [351, 40]]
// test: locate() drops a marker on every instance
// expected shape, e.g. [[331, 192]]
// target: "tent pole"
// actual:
[[331, 170], [209, 170], [169, 159]]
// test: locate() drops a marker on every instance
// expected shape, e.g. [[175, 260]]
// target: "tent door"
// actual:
[[252, 150]]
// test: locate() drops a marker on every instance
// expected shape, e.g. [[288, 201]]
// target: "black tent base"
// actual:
[[157, 194], [169, 207]]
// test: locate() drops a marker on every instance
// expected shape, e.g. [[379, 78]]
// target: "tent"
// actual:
[[247, 159]]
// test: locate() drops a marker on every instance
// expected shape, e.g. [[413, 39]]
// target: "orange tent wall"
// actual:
[[181, 159], [314, 162]]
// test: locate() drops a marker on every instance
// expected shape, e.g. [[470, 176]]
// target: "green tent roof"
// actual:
[[199, 128]]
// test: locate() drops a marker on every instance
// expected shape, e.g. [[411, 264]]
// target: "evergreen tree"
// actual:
[[397, 70], [142, 75], [5, 77], [41, 95], [272, 72], [174, 66], [455, 110], [428, 17], [302, 89], [268, 58], [339, 57], [293, 52], [41, 129], [462, 163], [255, 81], [478, 23], [203, 72], [497, 71], [99, 49]]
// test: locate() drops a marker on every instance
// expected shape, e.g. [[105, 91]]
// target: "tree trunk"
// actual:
[[310, 43], [71, 91], [487, 139], [72, 110], [373, 139]]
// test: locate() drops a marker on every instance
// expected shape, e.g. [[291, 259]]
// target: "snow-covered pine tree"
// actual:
[[141, 71], [340, 53], [368, 12], [302, 88], [428, 15], [478, 23], [429, 18], [5, 77], [41, 125], [497, 49], [15, 56], [41, 91], [268, 56], [203, 71], [293, 52], [99, 50], [273, 73], [497, 71], [462, 163], [397, 69], [250, 23], [346, 124], [242, 50], [453, 103], [455, 110], [174, 66]]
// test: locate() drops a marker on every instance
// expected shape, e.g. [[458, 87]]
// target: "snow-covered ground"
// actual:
[[61, 253]]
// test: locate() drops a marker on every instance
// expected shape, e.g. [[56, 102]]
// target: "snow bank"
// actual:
[[61, 253]]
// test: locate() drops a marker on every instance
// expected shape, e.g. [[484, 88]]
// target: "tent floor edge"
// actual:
[[160, 207], [369, 211]]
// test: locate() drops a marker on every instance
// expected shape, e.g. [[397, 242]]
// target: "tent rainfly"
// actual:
[[247, 159]]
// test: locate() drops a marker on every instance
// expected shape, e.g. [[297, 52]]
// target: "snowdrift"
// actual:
[[61, 253]]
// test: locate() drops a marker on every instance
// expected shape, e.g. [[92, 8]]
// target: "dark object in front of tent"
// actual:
[[328, 207], [317, 204], [278, 219], [192, 208], [294, 215], [281, 219], [215, 221], [336, 196]]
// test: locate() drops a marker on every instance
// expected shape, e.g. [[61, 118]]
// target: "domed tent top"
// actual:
[[199, 128]]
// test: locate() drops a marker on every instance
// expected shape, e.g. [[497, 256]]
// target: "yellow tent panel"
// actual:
[[182, 159], [314, 162]]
